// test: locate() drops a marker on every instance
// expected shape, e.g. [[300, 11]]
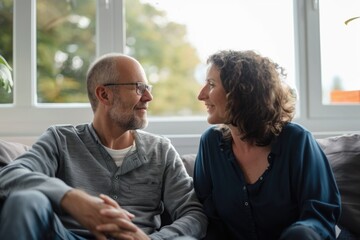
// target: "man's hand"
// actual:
[[87, 210], [116, 229]]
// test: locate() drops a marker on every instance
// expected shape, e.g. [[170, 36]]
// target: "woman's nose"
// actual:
[[202, 94]]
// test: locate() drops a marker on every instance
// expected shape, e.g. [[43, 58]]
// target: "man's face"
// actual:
[[129, 110], [130, 102]]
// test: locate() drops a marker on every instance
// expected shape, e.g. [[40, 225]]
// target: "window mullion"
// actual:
[[110, 26], [24, 53]]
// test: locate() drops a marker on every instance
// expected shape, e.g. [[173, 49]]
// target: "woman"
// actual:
[[258, 175]]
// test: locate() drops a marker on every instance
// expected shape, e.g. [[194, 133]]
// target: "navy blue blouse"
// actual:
[[297, 188]]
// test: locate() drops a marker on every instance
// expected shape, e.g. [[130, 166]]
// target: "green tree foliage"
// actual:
[[66, 46], [65, 49], [6, 26], [6, 81], [169, 59]]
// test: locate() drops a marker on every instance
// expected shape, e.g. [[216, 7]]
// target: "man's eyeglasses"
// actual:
[[140, 86]]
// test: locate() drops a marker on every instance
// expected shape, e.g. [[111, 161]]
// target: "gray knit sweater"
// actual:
[[149, 180]]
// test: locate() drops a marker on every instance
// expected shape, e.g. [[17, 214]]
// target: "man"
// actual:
[[102, 180]]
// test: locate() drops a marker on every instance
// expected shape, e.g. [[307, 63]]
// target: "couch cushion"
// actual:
[[343, 153], [189, 161], [10, 150]]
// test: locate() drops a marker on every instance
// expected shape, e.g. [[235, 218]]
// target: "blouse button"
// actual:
[[244, 188], [246, 204]]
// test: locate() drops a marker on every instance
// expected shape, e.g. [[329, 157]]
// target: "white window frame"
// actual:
[[317, 109], [26, 119], [322, 120]]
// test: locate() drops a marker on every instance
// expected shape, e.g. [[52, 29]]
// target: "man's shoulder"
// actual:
[[150, 143], [69, 127], [148, 136], [68, 130]]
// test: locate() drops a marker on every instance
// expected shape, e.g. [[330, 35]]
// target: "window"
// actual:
[[50, 62], [340, 52], [65, 40], [174, 46], [333, 58]]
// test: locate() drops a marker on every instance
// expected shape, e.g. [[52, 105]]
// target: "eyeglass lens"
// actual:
[[141, 87]]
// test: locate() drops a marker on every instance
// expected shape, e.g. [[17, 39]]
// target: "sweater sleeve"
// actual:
[[180, 200], [317, 192], [36, 170]]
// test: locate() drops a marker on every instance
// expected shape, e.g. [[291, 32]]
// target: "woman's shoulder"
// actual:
[[293, 135], [211, 132], [294, 129]]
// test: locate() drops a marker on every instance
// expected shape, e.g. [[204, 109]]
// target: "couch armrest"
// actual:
[[10, 150], [343, 153]]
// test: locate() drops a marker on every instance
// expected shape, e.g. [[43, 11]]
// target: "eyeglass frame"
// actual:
[[140, 86]]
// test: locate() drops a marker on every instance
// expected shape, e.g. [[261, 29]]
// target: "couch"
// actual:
[[343, 153]]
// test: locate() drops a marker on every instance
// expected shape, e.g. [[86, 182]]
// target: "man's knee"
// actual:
[[299, 232], [27, 215], [25, 201]]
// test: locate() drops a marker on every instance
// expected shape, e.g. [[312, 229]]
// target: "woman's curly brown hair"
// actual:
[[259, 103]]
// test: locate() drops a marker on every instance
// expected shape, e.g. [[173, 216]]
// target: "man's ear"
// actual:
[[104, 95]]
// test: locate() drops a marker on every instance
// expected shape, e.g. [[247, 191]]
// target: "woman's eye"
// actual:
[[211, 85]]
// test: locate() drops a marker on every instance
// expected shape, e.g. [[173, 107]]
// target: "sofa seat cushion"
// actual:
[[343, 153], [10, 150]]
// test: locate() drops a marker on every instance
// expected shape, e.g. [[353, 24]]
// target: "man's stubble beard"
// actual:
[[127, 120]]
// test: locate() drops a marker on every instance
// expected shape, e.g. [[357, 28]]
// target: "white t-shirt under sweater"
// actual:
[[120, 154]]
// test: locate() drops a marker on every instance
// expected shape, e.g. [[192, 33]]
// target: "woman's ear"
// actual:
[[103, 94]]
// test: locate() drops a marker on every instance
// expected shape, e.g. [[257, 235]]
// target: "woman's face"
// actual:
[[214, 96]]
